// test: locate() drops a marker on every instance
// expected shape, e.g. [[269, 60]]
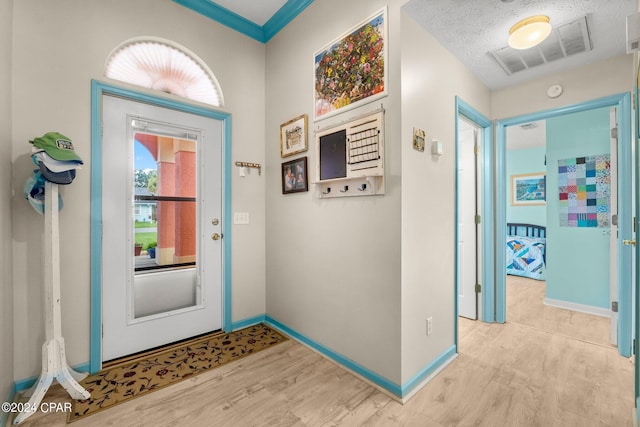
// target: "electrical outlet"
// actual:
[[429, 325]]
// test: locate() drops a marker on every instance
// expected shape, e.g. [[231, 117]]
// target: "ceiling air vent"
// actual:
[[633, 33], [565, 40], [529, 126]]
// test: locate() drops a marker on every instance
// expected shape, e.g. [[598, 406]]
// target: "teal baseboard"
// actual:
[[4, 416], [26, 383], [247, 322], [397, 390], [390, 386], [400, 391], [415, 383]]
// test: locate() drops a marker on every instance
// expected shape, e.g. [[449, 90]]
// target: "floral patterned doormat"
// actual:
[[123, 382]]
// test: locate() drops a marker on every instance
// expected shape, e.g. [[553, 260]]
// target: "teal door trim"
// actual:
[[623, 103], [99, 89], [261, 33], [487, 226]]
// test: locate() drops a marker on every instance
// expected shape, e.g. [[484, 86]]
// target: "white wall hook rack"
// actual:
[[350, 187], [244, 165], [350, 158]]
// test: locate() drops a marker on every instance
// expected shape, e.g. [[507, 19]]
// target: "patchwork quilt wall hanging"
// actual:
[[584, 188]]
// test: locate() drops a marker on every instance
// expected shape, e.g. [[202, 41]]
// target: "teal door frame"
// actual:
[[487, 226], [625, 217], [99, 89]]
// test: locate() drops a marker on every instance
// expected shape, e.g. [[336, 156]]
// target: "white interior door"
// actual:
[[148, 302], [469, 238], [613, 239]]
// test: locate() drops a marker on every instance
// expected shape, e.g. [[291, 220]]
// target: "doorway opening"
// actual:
[[624, 215], [474, 273], [561, 198]]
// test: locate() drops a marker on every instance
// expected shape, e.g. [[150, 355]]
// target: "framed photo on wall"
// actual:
[[352, 69], [294, 176], [418, 139], [529, 189], [293, 136]]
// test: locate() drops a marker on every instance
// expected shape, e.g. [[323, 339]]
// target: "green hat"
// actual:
[[57, 146]]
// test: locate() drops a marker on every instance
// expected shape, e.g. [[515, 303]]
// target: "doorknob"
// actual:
[[216, 236], [629, 242]]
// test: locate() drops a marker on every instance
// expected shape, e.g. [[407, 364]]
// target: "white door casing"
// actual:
[[123, 332], [477, 135], [469, 238]]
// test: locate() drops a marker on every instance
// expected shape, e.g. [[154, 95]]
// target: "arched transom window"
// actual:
[[165, 66]]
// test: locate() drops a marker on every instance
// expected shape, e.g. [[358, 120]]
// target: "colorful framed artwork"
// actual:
[[529, 189], [352, 70], [293, 136], [294, 176]]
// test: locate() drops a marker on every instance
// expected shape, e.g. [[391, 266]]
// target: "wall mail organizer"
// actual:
[[350, 157]]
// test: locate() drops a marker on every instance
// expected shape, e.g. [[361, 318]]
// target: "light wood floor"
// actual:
[[525, 305], [527, 372]]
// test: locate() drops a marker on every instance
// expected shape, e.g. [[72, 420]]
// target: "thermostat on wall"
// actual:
[[436, 148]]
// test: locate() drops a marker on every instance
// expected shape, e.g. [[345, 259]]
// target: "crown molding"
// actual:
[[263, 34]]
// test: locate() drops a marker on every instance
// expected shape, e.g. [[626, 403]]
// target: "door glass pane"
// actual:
[[164, 224]]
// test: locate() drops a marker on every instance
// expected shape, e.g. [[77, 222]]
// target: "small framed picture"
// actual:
[[418, 139], [529, 189], [294, 176], [293, 136]]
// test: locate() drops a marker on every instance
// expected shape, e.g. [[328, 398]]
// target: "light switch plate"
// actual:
[[241, 218]]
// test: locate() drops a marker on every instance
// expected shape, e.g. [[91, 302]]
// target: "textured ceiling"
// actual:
[[471, 29]]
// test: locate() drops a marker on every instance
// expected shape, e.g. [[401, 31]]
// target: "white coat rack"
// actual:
[[54, 360]]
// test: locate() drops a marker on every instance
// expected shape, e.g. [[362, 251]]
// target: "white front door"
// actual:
[[161, 187], [469, 266]]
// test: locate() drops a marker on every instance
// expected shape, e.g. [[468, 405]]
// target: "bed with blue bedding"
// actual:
[[526, 248]]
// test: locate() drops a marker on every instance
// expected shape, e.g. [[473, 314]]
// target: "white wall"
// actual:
[[431, 79], [58, 48], [608, 77], [347, 272], [6, 252], [333, 265]]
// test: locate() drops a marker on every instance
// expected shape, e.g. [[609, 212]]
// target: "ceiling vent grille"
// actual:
[[529, 126], [565, 40]]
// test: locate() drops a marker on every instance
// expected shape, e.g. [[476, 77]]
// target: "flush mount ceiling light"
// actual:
[[529, 32]]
